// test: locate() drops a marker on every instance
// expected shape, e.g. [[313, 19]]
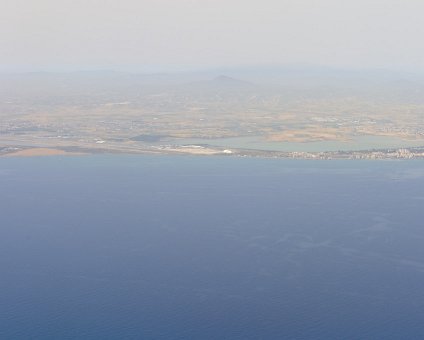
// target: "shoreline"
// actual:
[[375, 154]]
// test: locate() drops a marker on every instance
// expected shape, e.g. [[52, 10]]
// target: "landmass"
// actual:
[[279, 114]]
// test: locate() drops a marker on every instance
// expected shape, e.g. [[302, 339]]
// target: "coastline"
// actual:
[[206, 150]]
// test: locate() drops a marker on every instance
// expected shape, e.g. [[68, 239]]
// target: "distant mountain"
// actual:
[[223, 80], [221, 84], [296, 82]]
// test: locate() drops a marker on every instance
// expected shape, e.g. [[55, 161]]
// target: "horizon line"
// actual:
[[166, 70]]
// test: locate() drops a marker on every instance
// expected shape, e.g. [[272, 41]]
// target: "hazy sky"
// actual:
[[143, 34]]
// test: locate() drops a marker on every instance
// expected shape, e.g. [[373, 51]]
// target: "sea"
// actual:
[[182, 247]]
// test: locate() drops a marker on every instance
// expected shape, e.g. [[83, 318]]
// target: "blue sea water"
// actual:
[[161, 247]]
